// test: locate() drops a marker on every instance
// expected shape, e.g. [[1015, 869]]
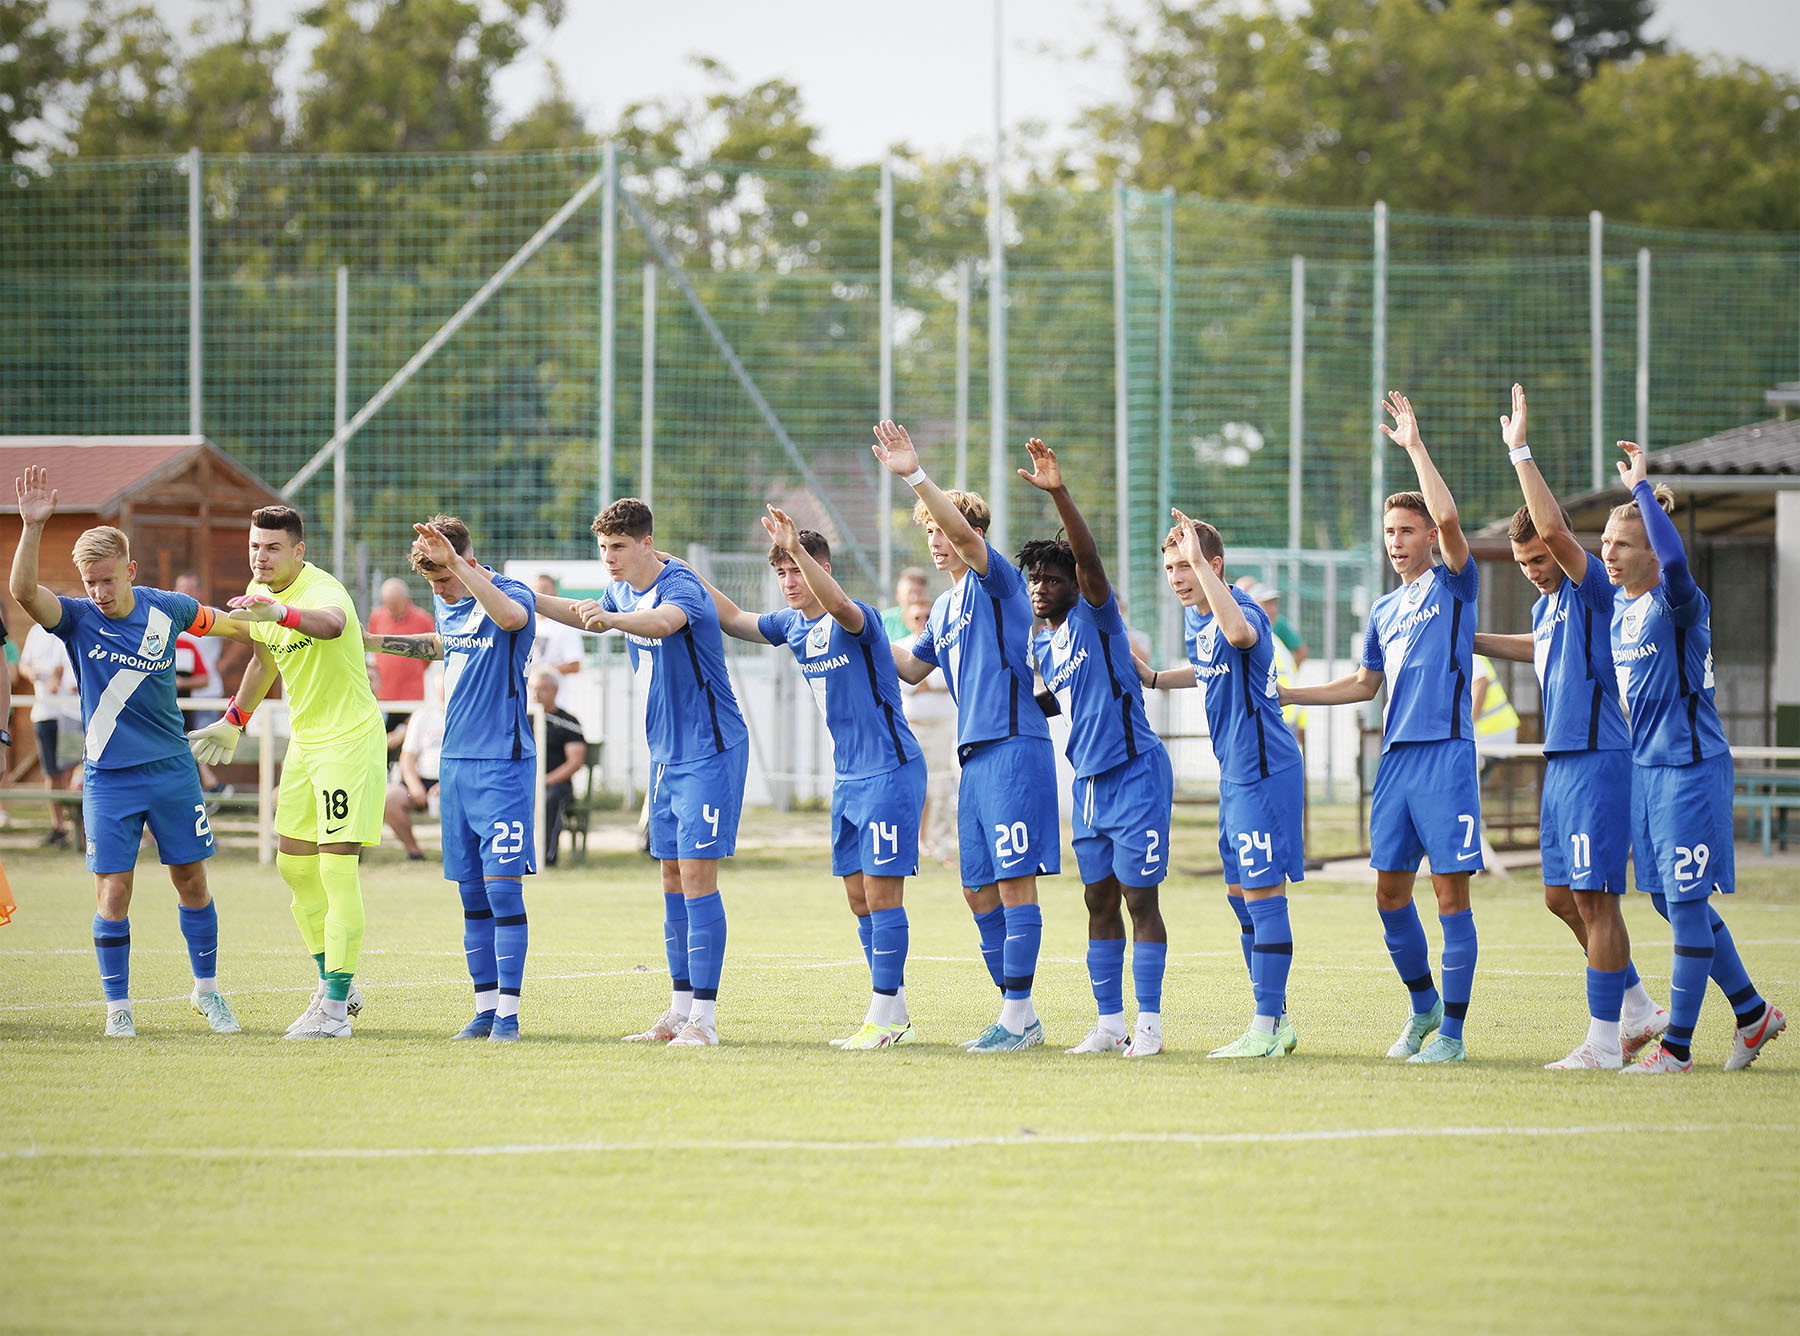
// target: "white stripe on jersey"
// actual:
[[112, 701]]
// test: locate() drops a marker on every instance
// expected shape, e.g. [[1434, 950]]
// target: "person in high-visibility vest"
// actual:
[[1495, 719]]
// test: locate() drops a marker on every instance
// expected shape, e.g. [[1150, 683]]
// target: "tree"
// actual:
[[34, 61], [230, 101], [410, 75], [555, 121], [129, 73]]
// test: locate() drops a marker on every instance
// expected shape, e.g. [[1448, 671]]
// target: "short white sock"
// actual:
[[486, 1000], [1638, 1001], [1017, 1014], [1150, 1020], [1603, 1036], [1113, 1022], [336, 1008], [900, 1013], [702, 1013], [114, 1008], [681, 1001], [507, 1004], [206, 986], [1264, 1024]]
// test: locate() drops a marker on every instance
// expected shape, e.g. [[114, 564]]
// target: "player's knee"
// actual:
[[1144, 906], [1559, 901]]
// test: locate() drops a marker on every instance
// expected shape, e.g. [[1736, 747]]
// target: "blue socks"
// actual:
[[865, 932], [992, 927], [1631, 976], [201, 929], [1405, 938], [675, 939], [478, 942], [1459, 969], [1147, 962], [1727, 967], [112, 944], [1106, 972], [889, 935], [706, 944], [1272, 954], [1687, 980], [1606, 994], [1024, 929], [512, 935], [1246, 933]]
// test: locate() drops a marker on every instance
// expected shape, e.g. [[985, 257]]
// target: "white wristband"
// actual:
[[914, 478], [1519, 453]]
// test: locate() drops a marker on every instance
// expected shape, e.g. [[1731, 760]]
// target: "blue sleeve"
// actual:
[[1105, 616], [874, 630], [1002, 578], [1595, 588], [773, 626], [691, 597], [182, 608], [1463, 585], [925, 647], [71, 613], [607, 600], [1678, 587], [1371, 654]]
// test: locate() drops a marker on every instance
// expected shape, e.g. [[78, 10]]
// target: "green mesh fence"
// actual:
[[504, 424]]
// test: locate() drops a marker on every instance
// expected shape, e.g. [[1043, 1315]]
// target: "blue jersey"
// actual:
[[858, 689], [1665, 666], [1242, 711], [1421, 636], [126, 666], [485, 701], [979, 633], [1571, 647], [692, 712], [1087, 663]]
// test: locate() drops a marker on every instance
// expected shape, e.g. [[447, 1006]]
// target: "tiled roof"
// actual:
[[94, 473]]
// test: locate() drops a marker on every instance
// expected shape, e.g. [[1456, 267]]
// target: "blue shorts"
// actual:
[[1121, 821], [1584, 829], [116, 805], [694, 806], [1682, 833], [1427, 804], [1006, 819], [487, 808], [878, 815], [1262, 830]]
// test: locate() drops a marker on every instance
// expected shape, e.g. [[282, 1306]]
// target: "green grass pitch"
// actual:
[[185, 1181]]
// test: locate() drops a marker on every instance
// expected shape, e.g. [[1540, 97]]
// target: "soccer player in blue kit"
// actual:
[[979, 633], [1262, 782], [1124, 787], [136, 768], [1584, 831], [698, 744], [1681, 781], [879, 787], [1427, 800], [485, 625]]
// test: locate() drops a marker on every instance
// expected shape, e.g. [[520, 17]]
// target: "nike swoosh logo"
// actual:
[[1011, 861], [887, 953], [1101, 983], [1463, 858], [1146, 871], [332, 830], [709, 844], [1016, 937], [883, 862], [505, 861], [1249, 871], [505, 957]]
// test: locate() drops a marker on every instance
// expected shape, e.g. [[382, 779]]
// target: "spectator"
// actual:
[[1284, 629], [932, 715], [565, 753], [55, 707], [398, 678], [557, 648], [913, 586], [416, 789], [1268, 599], [210, 648], [6, 695]]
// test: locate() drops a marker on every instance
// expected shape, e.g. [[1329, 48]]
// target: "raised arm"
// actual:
[[1665, 538], [507, 612], [1514, 648], [1046, 476], [1233, 625], [733, 620], [894, 448], [37, 503], [1358, 686], [1546, 514], [1405, 434], [838, 605]]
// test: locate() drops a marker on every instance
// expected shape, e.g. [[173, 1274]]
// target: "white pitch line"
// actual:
[[1101, 1139]]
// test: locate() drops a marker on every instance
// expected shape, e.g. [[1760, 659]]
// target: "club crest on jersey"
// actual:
[[1205, 640], [151, 646], [1631, 626], [1415, 593], [818, 640]]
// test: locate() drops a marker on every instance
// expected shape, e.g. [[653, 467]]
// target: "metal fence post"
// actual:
[[196, 307], [1596, 351], [997, 497], [340, 485], [962, 375], [885, 477], [1643, 348], [1378, 378], [647, 394], [1165, 389], [609, 251], [1121, 396], [1296, 395]]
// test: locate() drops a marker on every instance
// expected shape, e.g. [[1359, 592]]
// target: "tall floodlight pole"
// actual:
[[997, 489]]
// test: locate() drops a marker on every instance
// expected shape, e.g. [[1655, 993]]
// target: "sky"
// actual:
[[920, 72]]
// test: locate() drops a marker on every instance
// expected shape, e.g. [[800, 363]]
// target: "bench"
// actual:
[[1767, 794], [578, 814]]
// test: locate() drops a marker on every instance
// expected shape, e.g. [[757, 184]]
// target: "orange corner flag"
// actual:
[[7, 904]]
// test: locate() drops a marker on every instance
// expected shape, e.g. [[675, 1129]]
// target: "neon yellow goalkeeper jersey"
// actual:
[[327, 681]]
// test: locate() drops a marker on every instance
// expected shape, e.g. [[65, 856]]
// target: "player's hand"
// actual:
[[593, 616], [1512, 428], [1405, 431], [894, 448], [215, 744], [1046, 474], [782, 530], [433, 546], [37, 499], [256, 608], [1187, 542], [1634, 468]]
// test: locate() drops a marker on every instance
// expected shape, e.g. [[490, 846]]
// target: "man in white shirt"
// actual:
[[415, 789], [55, 710], [557, 647]]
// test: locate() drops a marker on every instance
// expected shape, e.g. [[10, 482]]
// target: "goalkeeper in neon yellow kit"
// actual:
[[303, 626]]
